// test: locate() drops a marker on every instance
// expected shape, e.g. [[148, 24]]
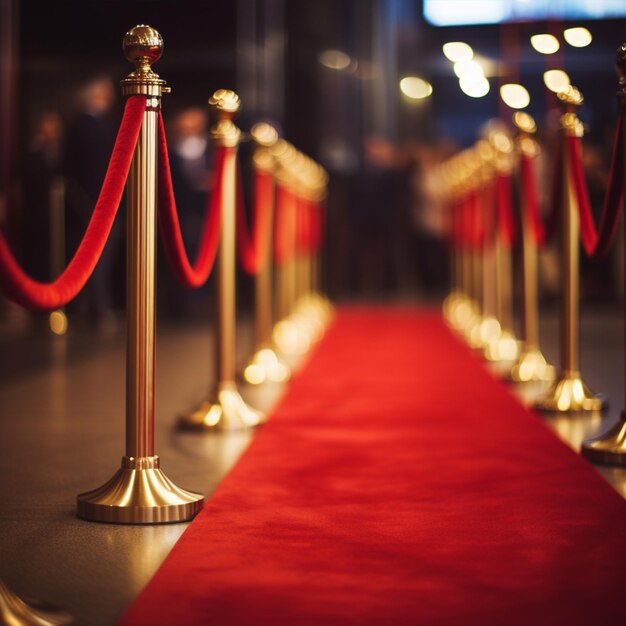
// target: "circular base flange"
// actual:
[[609, 448], [139, 493], [532, 366], [15, 612], [502, 348], [265, 366], [228, 412], [569, 394]]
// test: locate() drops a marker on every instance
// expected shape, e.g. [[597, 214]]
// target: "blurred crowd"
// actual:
[[390, 234]]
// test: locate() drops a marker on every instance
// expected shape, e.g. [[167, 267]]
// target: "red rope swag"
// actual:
[[285, 225], [253, 249], [597, 242], [531, 200], [506, 221], [195, 275], [22, 289]]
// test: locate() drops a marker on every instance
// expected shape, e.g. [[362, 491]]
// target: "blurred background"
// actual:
[[366, 87]]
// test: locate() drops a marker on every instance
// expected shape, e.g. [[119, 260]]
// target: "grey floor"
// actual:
[[62, 432]]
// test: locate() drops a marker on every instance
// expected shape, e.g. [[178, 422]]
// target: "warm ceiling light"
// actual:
[[474, 86], [515, 96], [457, 51], [578, 37], [334, 59], [546, 44], [556, 80], [465, 69], [415, 88]]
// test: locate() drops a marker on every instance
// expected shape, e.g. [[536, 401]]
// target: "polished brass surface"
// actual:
[[610, 448], [15, 612], [569, 393], [531, 364], [139, 493], [265, 365], [225, 409]]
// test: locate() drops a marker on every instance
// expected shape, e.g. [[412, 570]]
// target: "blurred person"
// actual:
[[430, 221], [42, 164], [188, 147], [372, 216], [89, 143]]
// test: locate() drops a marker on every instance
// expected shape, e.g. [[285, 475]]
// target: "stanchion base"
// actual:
[[15, 612], [266, 367], [227, 412], [569, 394], [450, 306], [532, 366], [139, 493], [483, 331], [609, 448], [503, 348]]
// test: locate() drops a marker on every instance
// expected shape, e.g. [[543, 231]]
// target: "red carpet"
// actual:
[[398, 484]]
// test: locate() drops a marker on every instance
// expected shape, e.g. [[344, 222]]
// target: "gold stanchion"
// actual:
[[503, 347], [139, 493], [531, 364], [569, 393], [487, 327], [226, 409], [15, 612], [265, 364], [610, 447]]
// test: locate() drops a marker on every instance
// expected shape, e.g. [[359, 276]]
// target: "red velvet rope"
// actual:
[[253, 250], [284, 225], [195, 275], [531, 201], [597, 242], [488, 200], [316, 225], [20, 288], [304, 226], [506, 221], [477, 222]]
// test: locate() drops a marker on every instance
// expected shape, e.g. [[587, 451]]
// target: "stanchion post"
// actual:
[[139, 493], [610, 447], [569, 394], [265, 365], [226, 409], [531, 364]]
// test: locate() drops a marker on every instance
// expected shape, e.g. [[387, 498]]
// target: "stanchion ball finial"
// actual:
[[226, 102], [524, 122], [571, 96], [143, 45], [620, 64]]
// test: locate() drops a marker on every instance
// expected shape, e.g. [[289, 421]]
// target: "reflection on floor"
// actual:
[[62, 420]]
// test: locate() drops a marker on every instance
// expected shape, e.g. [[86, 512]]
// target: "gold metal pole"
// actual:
[[139, 493], [569, 393], [531, 364], [610, 447], [15, 612], [265, 364], [502, 347], [226, 409]]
